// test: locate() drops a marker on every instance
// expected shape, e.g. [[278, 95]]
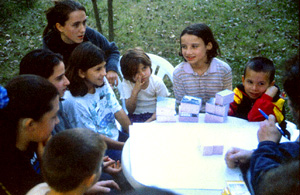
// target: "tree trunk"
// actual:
[[97, 17], [110, 19]]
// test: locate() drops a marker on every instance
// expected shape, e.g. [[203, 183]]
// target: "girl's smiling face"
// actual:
[[94, 76], [74, 29], [194, 49]]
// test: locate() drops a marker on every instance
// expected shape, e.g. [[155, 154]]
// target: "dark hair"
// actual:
[[130, 62], [40, 62], [291, 85], [202, 31], [30, 96], [59, 13], [85, 56], [70, 157], [261, 64]]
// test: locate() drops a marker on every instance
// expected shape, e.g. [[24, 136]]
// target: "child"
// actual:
[[201, 75], [140, 86], [66, 28], [27, 118], [71, 163], [91, 103], [49, 65], [257, 91]]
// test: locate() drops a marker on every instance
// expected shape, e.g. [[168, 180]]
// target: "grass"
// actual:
[[243, 29]]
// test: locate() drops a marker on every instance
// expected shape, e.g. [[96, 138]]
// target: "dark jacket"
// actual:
[[270, 155], [53, 42]]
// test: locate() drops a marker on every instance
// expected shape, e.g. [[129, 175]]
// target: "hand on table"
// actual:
[[271, 91], [112, 78], [103, 187], [236, 156], [110, 166], [268, 131]]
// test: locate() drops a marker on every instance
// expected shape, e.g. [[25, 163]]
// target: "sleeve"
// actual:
[[227, 80], [110, 48], [178, 87], [127, 89], [265, 103], [161, 89], [238, 96], [270, 155]]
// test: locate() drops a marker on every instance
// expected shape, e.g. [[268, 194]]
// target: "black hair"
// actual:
[[202, 31], [40, 62], [261, 64], [130, 61], [85, 56], [72, 156], [59, 13], [30, 96]]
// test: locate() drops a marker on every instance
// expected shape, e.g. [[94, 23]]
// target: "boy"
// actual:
[[257, 91], [71, 162]]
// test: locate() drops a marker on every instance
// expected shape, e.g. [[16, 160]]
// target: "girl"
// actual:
[[67, 28], [201, 75], [91, 103], [26, 123], [140, 87]]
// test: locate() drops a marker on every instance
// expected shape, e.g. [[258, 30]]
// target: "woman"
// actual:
[[26, 123], [67, 28]]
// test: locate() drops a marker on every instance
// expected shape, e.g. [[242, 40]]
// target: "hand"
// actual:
[[103, 187], [271, 91], [112, 78], [138, 83], [236, 156], [110, 166], [268, 131], [41, 147]]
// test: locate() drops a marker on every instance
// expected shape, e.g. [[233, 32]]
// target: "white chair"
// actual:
[[160, 67]]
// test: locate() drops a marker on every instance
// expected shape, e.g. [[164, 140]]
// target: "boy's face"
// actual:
[[256, 83]]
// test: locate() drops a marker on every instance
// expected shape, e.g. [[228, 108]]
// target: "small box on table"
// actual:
[[188, 117], [165, 109], [212, 118], [208, 150], [190, 104], [212, 108], [224, 97]]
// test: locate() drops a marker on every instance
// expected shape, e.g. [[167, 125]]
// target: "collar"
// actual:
[[211, 69]]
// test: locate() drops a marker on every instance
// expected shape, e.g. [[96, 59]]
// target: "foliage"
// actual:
[[243, 28]]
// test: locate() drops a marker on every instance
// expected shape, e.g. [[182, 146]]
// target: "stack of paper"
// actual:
[[189, 109], [217, 108], [165, 109]]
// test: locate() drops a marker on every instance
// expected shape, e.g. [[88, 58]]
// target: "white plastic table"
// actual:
[[169, 155]]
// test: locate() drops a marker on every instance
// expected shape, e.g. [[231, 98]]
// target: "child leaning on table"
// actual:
[[140, 86], [72, 163], [258, 91]]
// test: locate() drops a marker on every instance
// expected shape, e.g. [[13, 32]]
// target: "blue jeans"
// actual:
[[116, 154]]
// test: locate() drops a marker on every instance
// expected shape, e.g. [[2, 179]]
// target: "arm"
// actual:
[[227, 80], [236, 156], [131, 101], [178, 87], [123, 119], [265, 103], [112, 144]]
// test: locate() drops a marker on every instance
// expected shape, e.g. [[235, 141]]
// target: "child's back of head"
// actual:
[[130, 62], [261, 64], [71, 157]]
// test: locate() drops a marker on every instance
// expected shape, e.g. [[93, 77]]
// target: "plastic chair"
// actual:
[[160, 67]]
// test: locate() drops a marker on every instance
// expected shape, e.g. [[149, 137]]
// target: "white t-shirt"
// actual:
[[94, 111], [146, 100], [40, 189]]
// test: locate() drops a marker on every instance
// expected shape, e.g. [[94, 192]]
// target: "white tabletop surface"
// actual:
[[169, 155]]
